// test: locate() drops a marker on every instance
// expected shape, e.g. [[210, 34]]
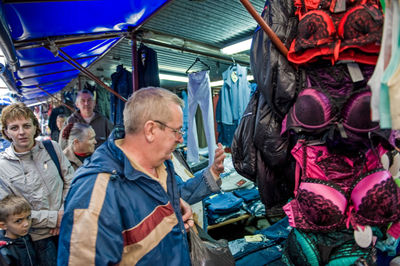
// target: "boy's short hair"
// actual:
[[11, 205]]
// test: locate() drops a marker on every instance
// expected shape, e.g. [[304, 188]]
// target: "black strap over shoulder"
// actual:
[[53, 155]]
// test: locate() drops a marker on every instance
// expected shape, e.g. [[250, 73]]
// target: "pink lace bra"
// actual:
[[336, 190]]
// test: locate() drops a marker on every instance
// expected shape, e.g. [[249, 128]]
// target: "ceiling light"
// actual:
[[237, 47], [216, 83], [173, 78], [219, 83], [3, 90], [36, 103]]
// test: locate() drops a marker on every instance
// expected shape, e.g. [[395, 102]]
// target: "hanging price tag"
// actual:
[[340, 6], [254, 238], [363, 237], [355, 72], [234, 77]]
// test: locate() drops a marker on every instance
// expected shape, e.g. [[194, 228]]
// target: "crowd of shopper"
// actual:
[[117, 203]]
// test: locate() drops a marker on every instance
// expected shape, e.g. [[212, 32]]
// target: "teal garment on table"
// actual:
[[384, 104]]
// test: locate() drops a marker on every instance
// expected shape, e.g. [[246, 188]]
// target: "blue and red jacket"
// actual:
[[115, 214]]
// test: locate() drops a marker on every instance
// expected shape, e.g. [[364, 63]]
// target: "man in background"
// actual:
[[85, 103], [60, 121]]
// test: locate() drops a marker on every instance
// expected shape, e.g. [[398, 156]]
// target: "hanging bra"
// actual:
[[318, 163], [303, 6], [352, 35], [326, 202], [316, 111]]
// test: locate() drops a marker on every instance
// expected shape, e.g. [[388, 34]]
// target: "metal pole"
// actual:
[[274, 38], [196, 52], [51, 95], [135, 74], [75, 64]]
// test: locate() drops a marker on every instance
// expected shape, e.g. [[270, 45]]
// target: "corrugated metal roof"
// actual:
[[180, 32], [213, 23]]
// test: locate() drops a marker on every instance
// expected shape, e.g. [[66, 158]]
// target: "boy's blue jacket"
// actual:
[[18, 251], [115, 214]]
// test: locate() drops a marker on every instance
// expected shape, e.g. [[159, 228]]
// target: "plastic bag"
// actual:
[[207, 251]]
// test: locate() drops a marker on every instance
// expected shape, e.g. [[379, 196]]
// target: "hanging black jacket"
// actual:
[[147, 67], [278, 82], [276, 77], [122, 84], [17, 252]]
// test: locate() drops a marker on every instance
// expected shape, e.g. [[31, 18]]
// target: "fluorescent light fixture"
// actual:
[[237, 47], [216, 83], [219, 83], [3, 90], [37, 103], [174, 78]]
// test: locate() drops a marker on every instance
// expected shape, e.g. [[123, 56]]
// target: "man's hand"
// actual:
[[187, 214], [217, 167]]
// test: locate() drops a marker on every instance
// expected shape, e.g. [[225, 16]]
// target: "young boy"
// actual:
[[16, 246]]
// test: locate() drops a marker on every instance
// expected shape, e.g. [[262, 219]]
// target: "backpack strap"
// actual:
[[53, 155]]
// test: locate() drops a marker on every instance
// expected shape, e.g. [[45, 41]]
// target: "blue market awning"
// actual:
[[85, 30]]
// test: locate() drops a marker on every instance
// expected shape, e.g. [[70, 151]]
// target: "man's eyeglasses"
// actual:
[[178, 132]]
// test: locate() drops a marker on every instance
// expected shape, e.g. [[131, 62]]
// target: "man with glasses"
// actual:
[[124, 206], [27, 169], [85, 114]]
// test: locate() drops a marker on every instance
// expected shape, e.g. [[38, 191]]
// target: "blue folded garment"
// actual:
[[247, 194], [241, 248], [279, 230], [219, 218], [261, 257], [255, 208], [223, 203]]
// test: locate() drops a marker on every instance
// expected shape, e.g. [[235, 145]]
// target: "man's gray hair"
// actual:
[[146, 104], [78, 95]]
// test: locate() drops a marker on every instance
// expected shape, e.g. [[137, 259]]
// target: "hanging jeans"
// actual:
[[199, 93]]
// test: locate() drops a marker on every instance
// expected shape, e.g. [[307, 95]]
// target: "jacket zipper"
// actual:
[[27, 250]]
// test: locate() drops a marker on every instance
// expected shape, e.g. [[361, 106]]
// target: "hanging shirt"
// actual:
[[233, 99]]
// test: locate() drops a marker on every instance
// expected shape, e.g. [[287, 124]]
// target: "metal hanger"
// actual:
[[195, 61]]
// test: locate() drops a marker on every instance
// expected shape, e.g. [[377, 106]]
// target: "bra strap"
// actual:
[[374, 150], [298, 168], [297, 179]]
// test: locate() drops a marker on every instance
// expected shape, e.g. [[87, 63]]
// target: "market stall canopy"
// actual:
[[33, 32]]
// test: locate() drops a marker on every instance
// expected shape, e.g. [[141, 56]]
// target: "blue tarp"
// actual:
[[48, 20]]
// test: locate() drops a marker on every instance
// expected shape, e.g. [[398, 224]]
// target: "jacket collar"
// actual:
[[11, 154], [69, 152], [5, 241], [78, 116], [108, 158]]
